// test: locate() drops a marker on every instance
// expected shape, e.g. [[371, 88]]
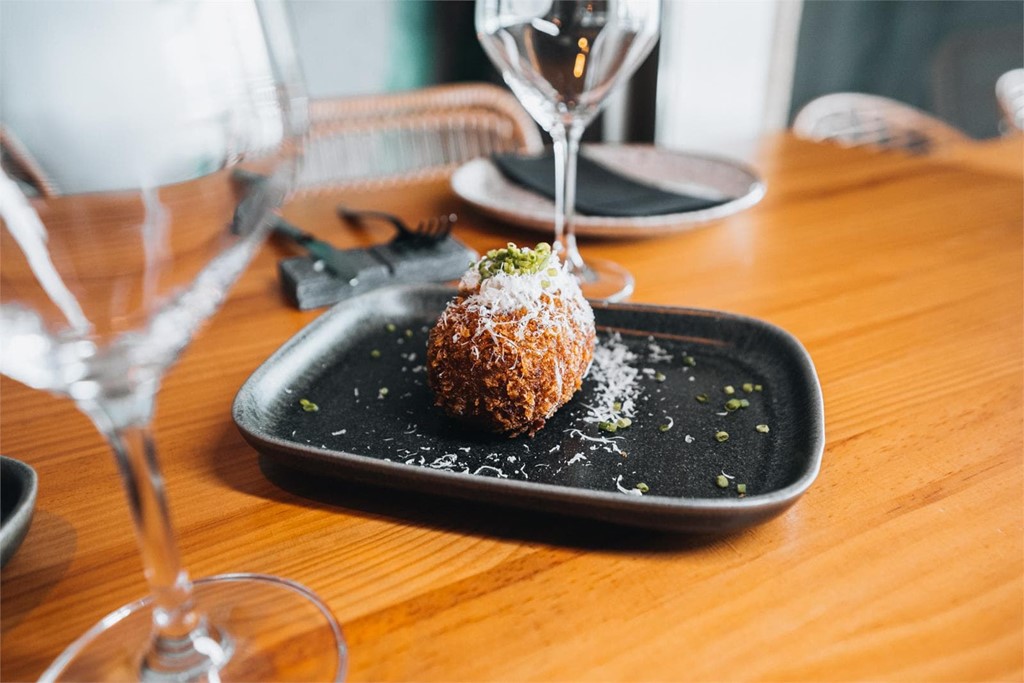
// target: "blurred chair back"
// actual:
[[855, 119], [1010, 94], [425, 133]]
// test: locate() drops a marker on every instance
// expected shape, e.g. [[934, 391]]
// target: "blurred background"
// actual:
[[724, 73]]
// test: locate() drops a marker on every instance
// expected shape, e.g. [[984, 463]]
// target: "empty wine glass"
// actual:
[[562, 58], [124, 225]]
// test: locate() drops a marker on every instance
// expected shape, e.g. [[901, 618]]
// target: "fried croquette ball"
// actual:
[[514, 344]]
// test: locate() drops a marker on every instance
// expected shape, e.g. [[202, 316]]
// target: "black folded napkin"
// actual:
[[600, 191]]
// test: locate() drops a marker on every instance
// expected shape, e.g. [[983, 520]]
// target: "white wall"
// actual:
[[107, 94], [359, 47], [335, 41], [725, 71]]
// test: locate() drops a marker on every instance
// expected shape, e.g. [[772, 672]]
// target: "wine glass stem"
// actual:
[[178, 628], [567, 147]]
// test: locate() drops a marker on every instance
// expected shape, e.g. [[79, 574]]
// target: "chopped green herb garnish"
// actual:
[[375, 353], [623, 422], [744, 403], [642, 487], [617, 406], [758, 387], [732, 404], [721, 436], [722, 481], [763, 428], [408, 334], [664, 428], [308, 405], [748, 387], [690, 361], [390, 327], [741, 489], [383, 391], [729, 389], [513, 260], [609, 427], [659, 377], [701, 398]]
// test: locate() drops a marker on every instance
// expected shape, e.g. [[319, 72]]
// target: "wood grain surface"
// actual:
[[902, 276]]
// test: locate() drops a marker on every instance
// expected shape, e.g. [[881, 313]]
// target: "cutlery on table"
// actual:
[[426, 252], [348, 265], [432, 229]]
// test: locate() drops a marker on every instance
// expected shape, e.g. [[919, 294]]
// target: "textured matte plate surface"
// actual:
[[480, 183], [397, 438]]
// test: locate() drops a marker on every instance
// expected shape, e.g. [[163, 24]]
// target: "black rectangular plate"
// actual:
[[343, 360]]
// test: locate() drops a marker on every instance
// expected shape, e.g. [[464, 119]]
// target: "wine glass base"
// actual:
[[264, 628], [605, 281]]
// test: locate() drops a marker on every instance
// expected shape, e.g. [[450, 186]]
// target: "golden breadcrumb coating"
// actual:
[[506, 358]]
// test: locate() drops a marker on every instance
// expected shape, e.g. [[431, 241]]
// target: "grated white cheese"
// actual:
[[609, 442], [446, 461], [500, 473], [505, 293], [615, 381], [623, 489], [657, 353]]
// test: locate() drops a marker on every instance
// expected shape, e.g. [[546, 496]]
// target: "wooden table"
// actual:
[[903, 278]]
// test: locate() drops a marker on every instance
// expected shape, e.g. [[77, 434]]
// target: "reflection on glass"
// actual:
[[562, 59], [124, 226]]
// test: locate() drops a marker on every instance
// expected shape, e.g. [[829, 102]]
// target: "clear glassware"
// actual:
[[562, 59], [125, 221]]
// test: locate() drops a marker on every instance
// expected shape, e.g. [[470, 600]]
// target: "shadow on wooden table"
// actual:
[[470, 517], [48, 549]]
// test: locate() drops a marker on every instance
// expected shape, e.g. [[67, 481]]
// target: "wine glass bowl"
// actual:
[[126, 219], [562, 59]]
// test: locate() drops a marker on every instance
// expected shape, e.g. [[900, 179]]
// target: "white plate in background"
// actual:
[[481, 184]]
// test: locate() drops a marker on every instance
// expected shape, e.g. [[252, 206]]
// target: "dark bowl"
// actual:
[[18, 486]]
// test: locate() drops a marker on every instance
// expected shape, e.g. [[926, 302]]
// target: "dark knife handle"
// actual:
[[333, 259], [286, 229]]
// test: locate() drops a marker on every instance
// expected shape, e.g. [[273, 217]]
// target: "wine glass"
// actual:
[[562, 59], [125, 222]]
